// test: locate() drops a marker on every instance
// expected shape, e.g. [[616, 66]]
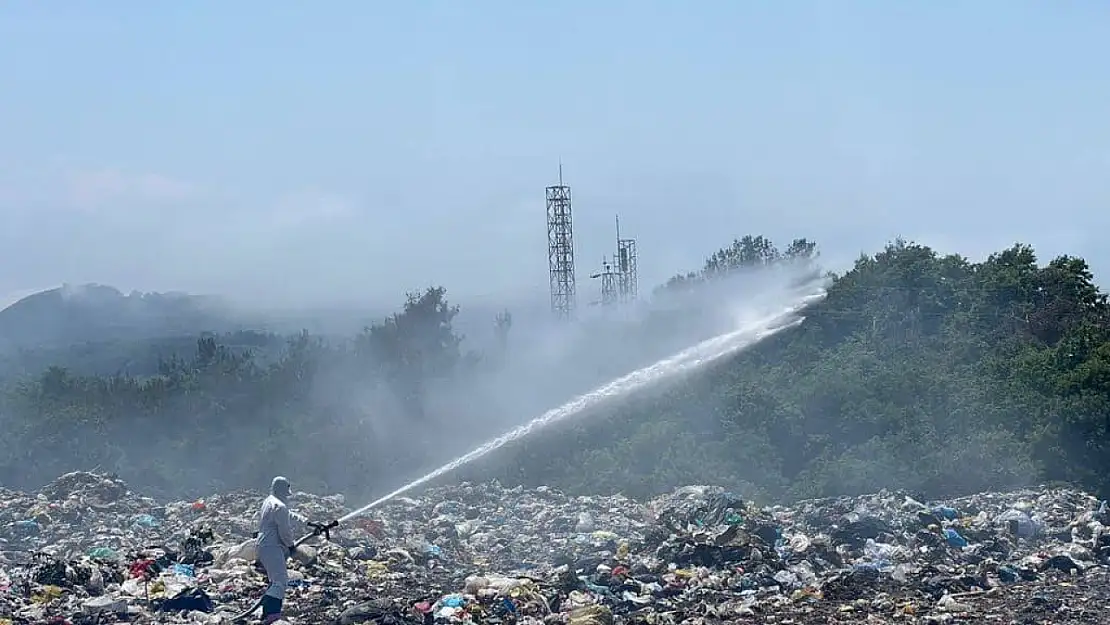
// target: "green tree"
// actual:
[[413, 347]]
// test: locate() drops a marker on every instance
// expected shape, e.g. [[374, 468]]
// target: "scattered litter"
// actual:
[[85, 549]]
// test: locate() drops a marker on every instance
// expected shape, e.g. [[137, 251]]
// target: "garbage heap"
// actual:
[[85, 550]]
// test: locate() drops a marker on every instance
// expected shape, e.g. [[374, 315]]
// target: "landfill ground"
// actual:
[[85, 550]]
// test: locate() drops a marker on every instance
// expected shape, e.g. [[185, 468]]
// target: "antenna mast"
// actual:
[[608, 283], [560, 249], [628, 280]]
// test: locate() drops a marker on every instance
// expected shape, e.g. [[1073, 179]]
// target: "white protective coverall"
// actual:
[[275, 537]]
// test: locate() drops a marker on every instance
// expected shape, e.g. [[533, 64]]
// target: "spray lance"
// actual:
[[318, 529]]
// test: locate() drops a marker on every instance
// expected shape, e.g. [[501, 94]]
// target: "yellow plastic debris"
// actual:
[[591, 615], [623, 550], [376, 569], [806, 594], [48, 594]]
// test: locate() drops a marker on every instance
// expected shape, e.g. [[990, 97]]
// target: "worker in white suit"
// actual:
[[275, 546]]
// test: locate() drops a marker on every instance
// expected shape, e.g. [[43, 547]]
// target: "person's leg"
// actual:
[[273, 560]]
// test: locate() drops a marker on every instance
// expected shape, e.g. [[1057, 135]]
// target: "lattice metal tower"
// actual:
[[560, 249], [609, 278], [628, 281]]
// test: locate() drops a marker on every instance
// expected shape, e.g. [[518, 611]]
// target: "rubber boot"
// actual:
[[271, 609], [276, 616]]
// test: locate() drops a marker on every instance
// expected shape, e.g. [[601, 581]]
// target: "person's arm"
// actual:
[[285, 530]]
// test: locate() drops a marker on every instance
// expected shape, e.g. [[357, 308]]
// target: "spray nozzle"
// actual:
[[323, 528]]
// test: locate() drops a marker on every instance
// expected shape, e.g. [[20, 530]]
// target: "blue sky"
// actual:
[[316, 153]]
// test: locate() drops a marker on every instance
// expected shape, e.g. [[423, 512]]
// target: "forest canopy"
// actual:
[[919, 370]]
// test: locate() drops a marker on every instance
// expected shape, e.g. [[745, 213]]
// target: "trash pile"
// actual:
[[87, 550]]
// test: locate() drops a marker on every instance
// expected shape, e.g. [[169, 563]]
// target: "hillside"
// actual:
[[919, 371], [98, 330], [142, 357], [95, 313]]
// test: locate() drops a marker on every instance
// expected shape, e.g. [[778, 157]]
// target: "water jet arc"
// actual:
[[687, 360]]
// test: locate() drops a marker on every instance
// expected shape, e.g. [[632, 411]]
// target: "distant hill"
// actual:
[[95, 329], [138, 357], [74, 314]]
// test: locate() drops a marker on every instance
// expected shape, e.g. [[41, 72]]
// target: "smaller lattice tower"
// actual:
[[609, 279], [560, 249], [627, 280]]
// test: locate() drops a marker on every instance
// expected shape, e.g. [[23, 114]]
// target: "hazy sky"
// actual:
[[350, 150]]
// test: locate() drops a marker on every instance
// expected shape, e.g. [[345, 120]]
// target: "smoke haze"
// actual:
[[306, 168]]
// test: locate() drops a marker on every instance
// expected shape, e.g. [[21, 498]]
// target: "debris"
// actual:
[[85, 547]]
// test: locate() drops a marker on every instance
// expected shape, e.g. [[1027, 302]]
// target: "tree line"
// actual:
[[919, 370]]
